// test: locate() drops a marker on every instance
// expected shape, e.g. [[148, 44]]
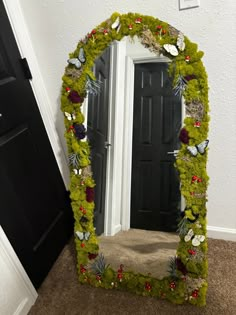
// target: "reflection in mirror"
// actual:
[[154, 195], [146, 252]]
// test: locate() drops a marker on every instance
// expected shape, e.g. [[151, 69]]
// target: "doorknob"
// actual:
[[107, 145], [175, 152]]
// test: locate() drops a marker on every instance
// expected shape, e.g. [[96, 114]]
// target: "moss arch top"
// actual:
[[187, 282]]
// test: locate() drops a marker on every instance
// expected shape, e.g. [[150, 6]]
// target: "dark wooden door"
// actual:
[[97, 135], [155, 195], [35, 213]]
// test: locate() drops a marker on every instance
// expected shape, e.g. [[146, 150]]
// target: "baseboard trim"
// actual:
[[23, 308], [221, 233], [115, 229]]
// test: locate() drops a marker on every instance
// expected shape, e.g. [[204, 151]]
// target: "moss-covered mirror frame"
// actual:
[[188, 269]]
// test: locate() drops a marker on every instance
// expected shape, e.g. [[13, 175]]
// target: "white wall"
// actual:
[[55, 27]]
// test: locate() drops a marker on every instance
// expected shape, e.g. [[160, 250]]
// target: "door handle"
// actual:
[[175, 152], [107, 145]]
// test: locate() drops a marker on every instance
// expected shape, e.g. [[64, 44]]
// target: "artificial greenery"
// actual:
[[188, 270]]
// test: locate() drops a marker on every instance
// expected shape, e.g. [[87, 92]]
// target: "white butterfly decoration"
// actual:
[[180, 42], [196, 239], [77, 62], [83, 235], [70, 116], [189, 235], [116, 25], [201, 147], [171, 49], [75, 171]]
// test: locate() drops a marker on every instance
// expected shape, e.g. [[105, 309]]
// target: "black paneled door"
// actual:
[[34, 212], [97, 134], [155, 197]]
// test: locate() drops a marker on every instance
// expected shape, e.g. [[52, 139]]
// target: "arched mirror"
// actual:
[[135, 100]]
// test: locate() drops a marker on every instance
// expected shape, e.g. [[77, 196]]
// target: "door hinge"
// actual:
[[26, 68]]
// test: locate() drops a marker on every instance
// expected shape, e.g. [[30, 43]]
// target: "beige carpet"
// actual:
[[61, 294], [140, 250]]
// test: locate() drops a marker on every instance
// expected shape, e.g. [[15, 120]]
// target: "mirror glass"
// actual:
[[148, 242], [143, 251]]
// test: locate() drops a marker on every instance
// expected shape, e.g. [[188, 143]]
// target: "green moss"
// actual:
[[187, 165]]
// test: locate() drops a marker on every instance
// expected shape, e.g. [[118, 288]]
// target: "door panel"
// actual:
[[97, 135], [35, 213], [155, 196]]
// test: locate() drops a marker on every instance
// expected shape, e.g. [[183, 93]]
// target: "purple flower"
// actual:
[[190, 77], [89, 194], [80, 131], [75, 98], [180, 266], [183, 136]]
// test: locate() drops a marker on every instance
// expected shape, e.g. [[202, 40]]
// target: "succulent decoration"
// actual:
[[188, 270]]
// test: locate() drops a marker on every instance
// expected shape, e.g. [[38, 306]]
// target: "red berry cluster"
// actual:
[[82, 210], [196, 179], [191, 251], [160, 30], [92, 35]]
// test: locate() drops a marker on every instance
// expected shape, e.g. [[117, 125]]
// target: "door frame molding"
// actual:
[[131, 61], [25, 47]]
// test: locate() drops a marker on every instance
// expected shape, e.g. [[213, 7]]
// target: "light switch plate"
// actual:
[[188, 4]]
